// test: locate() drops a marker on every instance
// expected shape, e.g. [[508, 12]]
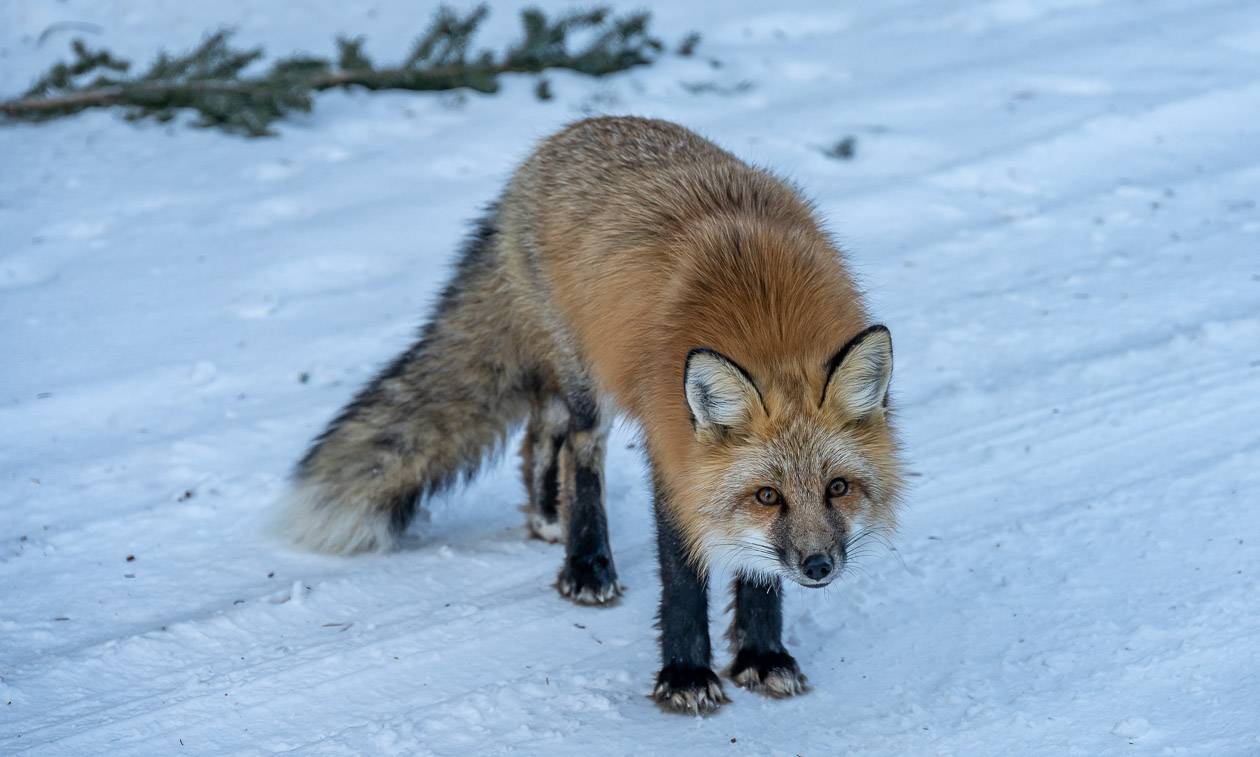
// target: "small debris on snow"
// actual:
[[844, 149]]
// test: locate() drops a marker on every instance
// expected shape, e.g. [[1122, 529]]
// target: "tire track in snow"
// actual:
[[531, 617], [410, 627]]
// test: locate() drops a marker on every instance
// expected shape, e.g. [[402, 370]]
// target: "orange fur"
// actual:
[[671, 244]]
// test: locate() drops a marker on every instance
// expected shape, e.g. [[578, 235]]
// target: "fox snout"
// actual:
[[817, 569]]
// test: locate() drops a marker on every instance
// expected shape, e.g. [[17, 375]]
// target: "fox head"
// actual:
[[792, 477]]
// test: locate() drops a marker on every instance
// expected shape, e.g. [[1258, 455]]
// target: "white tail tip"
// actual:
[[308, 518]]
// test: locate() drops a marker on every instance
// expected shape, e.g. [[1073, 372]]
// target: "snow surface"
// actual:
[[1053, 204]]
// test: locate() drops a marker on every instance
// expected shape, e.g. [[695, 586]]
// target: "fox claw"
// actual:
[[590, 582], [688, 690], [774, 674]]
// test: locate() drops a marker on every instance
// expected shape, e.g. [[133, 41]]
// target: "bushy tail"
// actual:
[[430, 416]]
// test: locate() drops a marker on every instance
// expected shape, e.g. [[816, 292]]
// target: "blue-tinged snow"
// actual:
[[1054, 205]]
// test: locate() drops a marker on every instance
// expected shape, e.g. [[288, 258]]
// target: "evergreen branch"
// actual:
[[210, 79]]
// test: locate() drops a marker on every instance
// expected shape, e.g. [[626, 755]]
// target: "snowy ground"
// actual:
[[1055, 206]]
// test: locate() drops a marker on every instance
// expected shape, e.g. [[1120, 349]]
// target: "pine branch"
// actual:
[[211, 79]]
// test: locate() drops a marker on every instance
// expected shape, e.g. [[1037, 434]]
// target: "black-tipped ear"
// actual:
[[719, 392], [858, 376]]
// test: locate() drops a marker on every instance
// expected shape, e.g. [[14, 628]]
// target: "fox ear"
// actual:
[[858, 376], [719, 392]]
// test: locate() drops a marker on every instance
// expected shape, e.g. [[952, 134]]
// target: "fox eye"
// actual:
[[838, 487], [768, 496]]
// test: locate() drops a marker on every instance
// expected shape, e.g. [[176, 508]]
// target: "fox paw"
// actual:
[[547, 530], [591, 581], [773, 674], [688, 690]]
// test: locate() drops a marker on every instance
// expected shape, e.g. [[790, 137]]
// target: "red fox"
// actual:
[[632, 266]]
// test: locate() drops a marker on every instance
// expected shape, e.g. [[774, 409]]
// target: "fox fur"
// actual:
[[633, 267]]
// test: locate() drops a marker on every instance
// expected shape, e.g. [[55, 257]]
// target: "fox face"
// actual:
[[793, 481]]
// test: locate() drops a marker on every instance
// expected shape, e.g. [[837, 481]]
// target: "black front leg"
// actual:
[[686, 682], [588, 576], [761, 662]]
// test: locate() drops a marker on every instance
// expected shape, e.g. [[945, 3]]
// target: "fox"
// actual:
[[633, 267]]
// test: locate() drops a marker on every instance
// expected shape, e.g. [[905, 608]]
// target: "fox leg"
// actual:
[[686, 682], [761, 663], [544, 464], [588, 575]]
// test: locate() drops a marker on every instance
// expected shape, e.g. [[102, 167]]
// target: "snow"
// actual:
[[1054, 205]]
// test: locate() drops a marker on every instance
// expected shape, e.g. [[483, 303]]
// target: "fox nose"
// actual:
[[817, 567]]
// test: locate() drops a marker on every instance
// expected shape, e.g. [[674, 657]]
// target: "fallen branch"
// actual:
[[210, 79]]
